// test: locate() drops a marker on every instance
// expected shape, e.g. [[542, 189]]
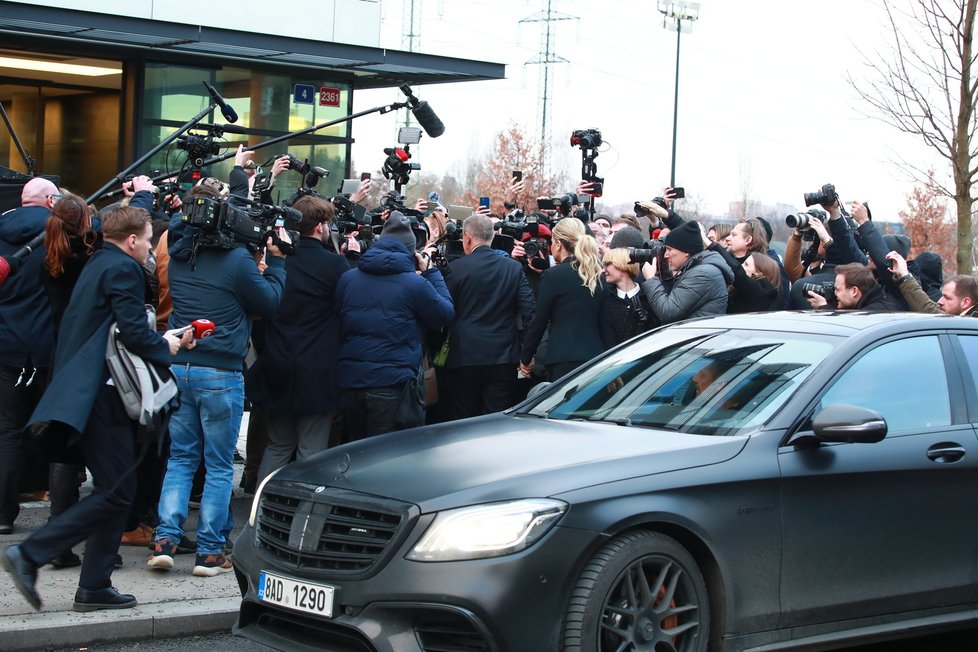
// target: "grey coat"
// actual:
[[699, 289]]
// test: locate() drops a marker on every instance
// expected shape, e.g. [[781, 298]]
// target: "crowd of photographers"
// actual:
[[332, 323]]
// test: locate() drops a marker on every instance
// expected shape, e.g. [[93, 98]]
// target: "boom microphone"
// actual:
[[424, 114], [226, 109]]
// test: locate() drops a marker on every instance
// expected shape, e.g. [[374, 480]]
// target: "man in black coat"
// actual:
[[295, 374], [489, 290], [81, 402]]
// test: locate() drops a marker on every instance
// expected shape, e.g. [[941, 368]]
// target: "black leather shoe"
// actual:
[[109, 598], [67, 559], [22, 572], [6, 528]]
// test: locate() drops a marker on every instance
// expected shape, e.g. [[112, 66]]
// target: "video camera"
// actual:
[[396, 166], [589, 140], [223, 226], [562, 204], [536, 246]]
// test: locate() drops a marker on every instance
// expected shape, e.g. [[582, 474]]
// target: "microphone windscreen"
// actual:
[[229, 113], [428, 120], [233, 129]]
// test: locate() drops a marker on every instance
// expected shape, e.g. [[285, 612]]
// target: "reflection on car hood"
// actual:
[[501, 457]]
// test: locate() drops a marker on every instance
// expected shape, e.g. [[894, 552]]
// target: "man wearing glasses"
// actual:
[[26, 341]]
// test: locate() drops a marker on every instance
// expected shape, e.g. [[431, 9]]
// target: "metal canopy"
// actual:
[[39, 28]]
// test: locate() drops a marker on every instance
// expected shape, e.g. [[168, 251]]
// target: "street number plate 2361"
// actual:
[[293, 594]]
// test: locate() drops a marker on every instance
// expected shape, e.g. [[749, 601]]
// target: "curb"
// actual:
[[55, 629]]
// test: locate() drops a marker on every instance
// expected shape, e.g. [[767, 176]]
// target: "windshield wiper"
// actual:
[[621, 421]]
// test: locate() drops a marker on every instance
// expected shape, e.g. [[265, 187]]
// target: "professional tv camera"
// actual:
[[223, 226]]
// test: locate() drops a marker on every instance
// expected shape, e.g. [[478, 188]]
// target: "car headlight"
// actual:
[[489, 530], [254, 503]]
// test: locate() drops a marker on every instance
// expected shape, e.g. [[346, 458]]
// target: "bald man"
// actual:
[[26, 343]]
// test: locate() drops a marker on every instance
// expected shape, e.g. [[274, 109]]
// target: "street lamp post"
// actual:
[[674, 13]]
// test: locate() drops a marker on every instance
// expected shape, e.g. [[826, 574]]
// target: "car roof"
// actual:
[[830, 322]]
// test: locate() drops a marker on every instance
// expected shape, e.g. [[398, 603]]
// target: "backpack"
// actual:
[[148, 390]]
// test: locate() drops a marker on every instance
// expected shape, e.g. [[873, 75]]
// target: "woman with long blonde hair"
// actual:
[[569, 301]]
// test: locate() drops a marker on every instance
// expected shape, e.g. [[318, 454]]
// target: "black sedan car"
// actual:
[[756, 482]]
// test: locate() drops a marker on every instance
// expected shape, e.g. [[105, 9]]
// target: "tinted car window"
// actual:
[[695, 381], [878, 381], [970, 345]]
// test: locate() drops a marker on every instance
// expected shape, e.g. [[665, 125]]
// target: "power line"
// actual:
[[545, 59]]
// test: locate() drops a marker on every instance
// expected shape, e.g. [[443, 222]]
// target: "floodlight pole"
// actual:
[[678, 11]]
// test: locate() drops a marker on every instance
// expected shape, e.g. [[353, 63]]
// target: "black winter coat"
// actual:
[[296, 371], [572, 313], [111, 288]]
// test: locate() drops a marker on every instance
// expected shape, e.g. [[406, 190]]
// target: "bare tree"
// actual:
[[926, 86]]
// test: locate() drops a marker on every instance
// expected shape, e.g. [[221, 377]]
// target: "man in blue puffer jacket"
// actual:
[[385, 305]]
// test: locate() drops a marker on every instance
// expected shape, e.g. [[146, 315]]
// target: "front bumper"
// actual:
[[511, 603]]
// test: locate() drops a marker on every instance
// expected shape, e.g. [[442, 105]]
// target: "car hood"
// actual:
[[502, 457]]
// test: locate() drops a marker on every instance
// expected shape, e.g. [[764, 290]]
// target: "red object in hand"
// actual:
[[202, 328]]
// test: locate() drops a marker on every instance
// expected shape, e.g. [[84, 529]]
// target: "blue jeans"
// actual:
[[207, 422]]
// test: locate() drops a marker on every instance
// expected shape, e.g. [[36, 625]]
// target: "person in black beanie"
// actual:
[[700, 278]]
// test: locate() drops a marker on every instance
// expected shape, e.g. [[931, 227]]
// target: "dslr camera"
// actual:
[[824, 289], [827, 195], [802, 221]]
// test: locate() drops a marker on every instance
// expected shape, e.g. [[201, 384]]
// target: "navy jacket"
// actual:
[[111, 288], [225, 286], [296, 370], [26, 331], [489, 291], [384, 308], [572, 313]]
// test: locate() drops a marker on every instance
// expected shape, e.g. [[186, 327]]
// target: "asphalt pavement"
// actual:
[[171, 603]]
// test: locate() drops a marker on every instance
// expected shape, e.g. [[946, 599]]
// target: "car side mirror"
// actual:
[[850, 424], [538, 389]]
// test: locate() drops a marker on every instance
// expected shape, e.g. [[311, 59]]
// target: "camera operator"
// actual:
[[700, 278], [855, 289], [794, 264], [243, 174], [959, 295], [490, 291], [224, 285], [385, 305]]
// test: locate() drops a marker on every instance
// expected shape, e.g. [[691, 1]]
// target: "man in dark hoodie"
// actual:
[[385, 305], [26, 340], [700, 278]]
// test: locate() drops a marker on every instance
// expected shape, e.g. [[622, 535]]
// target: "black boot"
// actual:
[[108, 598]]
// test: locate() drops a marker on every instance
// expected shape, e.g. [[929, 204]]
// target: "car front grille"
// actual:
[[329, 530]]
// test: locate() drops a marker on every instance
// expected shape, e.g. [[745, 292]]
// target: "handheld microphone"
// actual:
[[201, 328], [226, 110], [424, 114]]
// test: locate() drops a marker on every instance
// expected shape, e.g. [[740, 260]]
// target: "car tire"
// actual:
[[608, 611]]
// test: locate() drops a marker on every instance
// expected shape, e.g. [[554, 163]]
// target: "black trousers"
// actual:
[[377, 410], [20, 390], [108, 449], [473, 391]]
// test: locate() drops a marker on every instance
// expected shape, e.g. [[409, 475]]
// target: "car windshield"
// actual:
[[698, 381]]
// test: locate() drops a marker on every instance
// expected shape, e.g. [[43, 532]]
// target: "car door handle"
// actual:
[[945, 453]]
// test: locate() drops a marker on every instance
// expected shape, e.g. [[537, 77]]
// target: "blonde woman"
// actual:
[[626, 312], [569, 301]]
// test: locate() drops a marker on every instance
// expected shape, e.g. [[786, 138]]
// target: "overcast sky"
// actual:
[[763, 96]]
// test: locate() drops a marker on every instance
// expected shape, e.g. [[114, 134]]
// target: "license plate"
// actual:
[[293, 594]]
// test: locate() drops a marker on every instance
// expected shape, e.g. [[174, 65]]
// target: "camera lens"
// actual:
[[799, 221]]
